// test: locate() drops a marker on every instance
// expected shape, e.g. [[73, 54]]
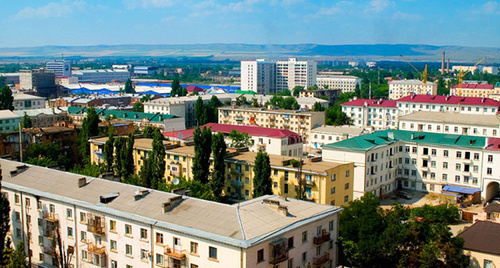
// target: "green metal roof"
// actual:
[[246, 92], [380, 138], [124, 115]]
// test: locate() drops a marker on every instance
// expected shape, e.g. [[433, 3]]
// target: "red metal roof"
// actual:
[[252, 130], [193, 89], [492, 144], [450, 100], [473, 86], [371, 103]]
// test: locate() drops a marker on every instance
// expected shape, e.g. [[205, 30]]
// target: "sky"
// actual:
[[111, 22]]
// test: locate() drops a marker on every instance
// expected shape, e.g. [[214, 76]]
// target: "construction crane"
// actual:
[[461, 74], [422, 74]]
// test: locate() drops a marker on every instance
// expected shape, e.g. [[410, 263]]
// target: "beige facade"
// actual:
[[345, 83], [300, 122], [403, 88]]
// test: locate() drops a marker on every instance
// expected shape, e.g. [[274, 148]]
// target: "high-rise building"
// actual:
[[60, 68], [258, 76], [292, 73]]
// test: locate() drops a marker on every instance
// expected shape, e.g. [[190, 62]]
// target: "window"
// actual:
[[144, 254], [16, 199], [347, 173], [332, 191], [27, 202], [458, 167], [346, 198], [434, 152], [194, 265], [144, 233], [40, 240], [304, 236], [70, 232], [474, 181], [194, 247], [212, 253], [69, 213], [457, 178], [112, 225], [459, 154], [39, 205], [84, 255], [445, 165], [331, 225], [290, 263], [445, 153], [83, 236], [290, 242], [445, 177], [334, 177], [159, 259], [488, 264], [260, 255], [489, 171], [128, 229], [346, 186], [476, 156], [128, 249], [41, 256], [304, 257], [112, 245], [490, 158], [159, 238], [83, 217]]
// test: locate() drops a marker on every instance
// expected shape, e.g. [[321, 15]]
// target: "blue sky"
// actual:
[[94, 22]]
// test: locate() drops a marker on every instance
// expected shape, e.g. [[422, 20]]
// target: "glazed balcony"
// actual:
[[175, 253], [325, 236], [237, 184]]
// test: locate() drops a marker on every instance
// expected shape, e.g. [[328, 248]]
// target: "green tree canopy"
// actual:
[[296, 90], [202, 150], [240, 140], [90, 128], [26, 123], [109, 149], [150, 131], [219, 173], [4, 221], [262, 182], [138, 107], [6, 99], [129, 88]]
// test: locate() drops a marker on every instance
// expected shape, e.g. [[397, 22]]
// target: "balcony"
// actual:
[[321, 260], [95, 249], [325, 236], [49, 251], [236, 171], [50, 216], [239, 118], [97, 255], [50, 231], [96, 224], [309, 182], [279, 258], [174, 173], [175, 253], [237, 184], [425, 156]]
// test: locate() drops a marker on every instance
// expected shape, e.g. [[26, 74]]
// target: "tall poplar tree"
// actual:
[[262, 183], [219, 152], [120, 155], [4, 221], [202, 150], [157, 158], [128, 160], [90, 128], [108, 149]]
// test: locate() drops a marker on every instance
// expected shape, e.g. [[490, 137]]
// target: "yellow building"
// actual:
[[323, 182], [474, 90]]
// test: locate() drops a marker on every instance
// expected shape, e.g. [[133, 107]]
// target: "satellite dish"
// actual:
[[176, 181], [137, 192], [180, 136]]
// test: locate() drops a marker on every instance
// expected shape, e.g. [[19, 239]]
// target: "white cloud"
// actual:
[[51, 10], [491, 7], [378, 5], [405, 16], [133, 4]]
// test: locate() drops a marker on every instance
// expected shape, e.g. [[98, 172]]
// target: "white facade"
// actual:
[[472, 69], [108, 224], [292, 73], [60, 68], [491, 169], [368, 113], [101, 76], [26, 101], [258, 76], [345, 83], [402, 88], [328, 134]]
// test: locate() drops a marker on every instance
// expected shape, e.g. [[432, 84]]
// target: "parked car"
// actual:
[[404, 194]]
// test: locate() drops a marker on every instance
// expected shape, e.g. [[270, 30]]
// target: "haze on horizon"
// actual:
[[92, 22]]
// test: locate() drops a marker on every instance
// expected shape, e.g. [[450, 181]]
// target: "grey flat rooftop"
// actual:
[[248, 223], [452, 118], [351, 130]]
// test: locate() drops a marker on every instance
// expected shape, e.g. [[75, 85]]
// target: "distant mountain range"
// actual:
[[249, 51]]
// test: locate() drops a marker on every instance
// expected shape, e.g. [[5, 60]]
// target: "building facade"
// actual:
[[328, 134], [101, 76], [463, 105], [331, 94], [9, 120], [402, 88], [473, 90], [25, 102], [42, 82], [258, 76], [101, 223], [344, 83], [292, 73], [60, 67], [297, 121], [369, 113]]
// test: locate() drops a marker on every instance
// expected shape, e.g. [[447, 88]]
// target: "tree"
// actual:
[[202, 150], [150, 131], [90, 128], [6, 99], [129, 88], [128, 160], [198, 189], [199, 110], [138, 107], [296, 90], [109, 148], [92, 170], [240, 140], [335, 116], [4, 221], [262, 183], [442, 89], [318, 107], [120, 156], [157, 158], [176, 88], [219, 173], [26, 123], [18, 257]]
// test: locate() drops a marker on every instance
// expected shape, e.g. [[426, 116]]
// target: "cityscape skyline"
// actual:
[[90, 22]]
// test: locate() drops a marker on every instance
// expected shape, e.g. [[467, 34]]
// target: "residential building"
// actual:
[[437, 103], [480, 243], [473, 90], [292, 73], [301, 122], [60, 67], [448, 122], [40, 81], [11, 79], [45, 117], [101, 76], [8, 120], [419, 161], [344, 83], [331, 94], [491, 169], [144, 70], [320, 176], [66, 80], [328, 134], [258, 76], [101, 223], [26, 101], [64, 137], [270, 140], [402, 88], [369, 113], [473, 69]]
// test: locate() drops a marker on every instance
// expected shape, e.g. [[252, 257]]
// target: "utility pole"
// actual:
[[20, 142]]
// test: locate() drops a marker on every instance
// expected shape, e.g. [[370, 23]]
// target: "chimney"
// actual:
[[82, 182], [283, 210], [172, 202], [390, 135], [442, 65]]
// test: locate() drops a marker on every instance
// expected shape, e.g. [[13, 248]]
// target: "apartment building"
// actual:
[[9, 120], [331, 94], [328, 134], [270, 140], [301, 122], [456, 123], [480, 243], [101, 76], [102, 223], [344, 83], [473, 69], [370, 113], [420, 161], [258, 76], [292, 73], [26, 101], [436, 103], [473, 90], [402, 88], [325, 182], [40, 81], [491, 169]]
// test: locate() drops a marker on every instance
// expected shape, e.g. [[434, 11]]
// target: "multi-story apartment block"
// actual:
[[270, 140], [258, 76], [292, 73], [473, 69], [325, 182], [60, 67], [301, 122], [101, 76], [402, 88], [456, 123], [100, 223], [473, 90], [331, 94], [436, 103], [344, 83], [9, 120], [491, 169], [26, 101], [328, 134], [428, 162], [376, 114], [41, 81]]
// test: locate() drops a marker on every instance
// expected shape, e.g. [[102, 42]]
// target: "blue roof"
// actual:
[[230, 88], [459, 189]]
